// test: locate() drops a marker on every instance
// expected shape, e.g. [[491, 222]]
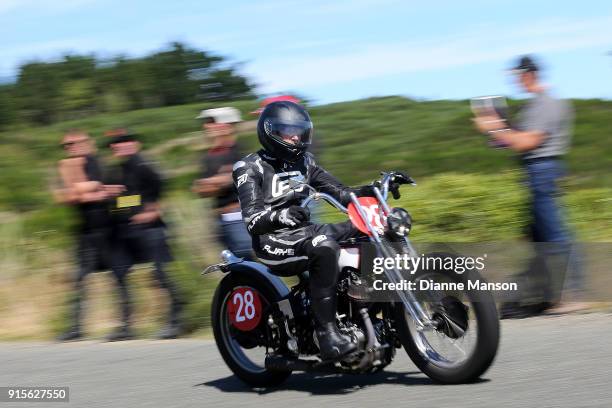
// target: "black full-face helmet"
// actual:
[[285, 130]]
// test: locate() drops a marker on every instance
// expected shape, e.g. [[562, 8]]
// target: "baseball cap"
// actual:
[[119, 135], [525, 63], [221, 115]]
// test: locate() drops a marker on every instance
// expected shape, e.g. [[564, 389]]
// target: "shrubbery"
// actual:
[[465, 192]]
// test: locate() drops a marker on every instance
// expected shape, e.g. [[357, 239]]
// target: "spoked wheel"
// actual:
[[465, 342], [239, 314]]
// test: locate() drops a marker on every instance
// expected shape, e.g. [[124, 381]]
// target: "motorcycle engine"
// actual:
[[355, 333], [351, 330], [353, 285]]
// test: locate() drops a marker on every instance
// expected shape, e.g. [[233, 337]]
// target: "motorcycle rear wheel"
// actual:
[[233, 352]]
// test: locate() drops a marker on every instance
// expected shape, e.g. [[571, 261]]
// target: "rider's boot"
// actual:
[[332, 344], [324, 272]]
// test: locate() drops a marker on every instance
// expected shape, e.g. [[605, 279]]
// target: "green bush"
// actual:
[[466, 191]]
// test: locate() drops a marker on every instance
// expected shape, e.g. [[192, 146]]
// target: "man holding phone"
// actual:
[[541, 136]]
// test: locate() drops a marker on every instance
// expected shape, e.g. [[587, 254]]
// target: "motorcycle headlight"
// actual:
[[399, 221]]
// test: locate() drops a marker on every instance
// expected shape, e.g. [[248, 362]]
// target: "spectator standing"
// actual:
[[541, 136], [219, 127], [82, 188], [139, 232]]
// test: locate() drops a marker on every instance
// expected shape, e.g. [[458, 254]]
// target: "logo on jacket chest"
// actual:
[[282, 182]]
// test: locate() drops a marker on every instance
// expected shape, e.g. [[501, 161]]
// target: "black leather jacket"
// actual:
[[264, 188]]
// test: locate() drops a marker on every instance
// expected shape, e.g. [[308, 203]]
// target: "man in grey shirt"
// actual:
[[553, 119], [541, 136]]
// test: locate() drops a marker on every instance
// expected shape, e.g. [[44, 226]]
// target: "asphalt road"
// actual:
[[542, 362]]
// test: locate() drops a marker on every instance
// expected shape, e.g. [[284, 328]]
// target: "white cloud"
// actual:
[[483, 44]]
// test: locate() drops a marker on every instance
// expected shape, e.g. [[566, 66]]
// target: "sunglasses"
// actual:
[[66, 145]]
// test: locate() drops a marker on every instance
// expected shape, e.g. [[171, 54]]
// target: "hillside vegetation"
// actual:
[[466, 192]]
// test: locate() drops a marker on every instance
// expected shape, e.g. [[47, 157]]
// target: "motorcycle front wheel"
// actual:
[[445, 354]]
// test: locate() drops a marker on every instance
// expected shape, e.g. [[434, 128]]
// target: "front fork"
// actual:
[[407, 298]]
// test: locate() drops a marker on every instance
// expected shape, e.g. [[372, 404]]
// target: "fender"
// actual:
[[261, 273], [253, 270]]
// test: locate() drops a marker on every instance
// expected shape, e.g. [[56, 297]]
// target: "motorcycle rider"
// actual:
[[270, 185]]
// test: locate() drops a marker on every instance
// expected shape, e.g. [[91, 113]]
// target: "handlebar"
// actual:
[[318, 196], [381, 195]]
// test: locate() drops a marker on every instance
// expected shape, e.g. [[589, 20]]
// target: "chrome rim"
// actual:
[[434, 345]]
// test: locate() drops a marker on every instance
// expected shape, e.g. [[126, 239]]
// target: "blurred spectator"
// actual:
[[541, 136], [139, 233], [82, 187], [216, 181]]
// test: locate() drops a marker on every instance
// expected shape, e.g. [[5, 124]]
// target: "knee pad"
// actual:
[[325, 247], [323, 267], [325, 254]]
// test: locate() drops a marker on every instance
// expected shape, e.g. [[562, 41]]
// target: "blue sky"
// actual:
[[331, 51]]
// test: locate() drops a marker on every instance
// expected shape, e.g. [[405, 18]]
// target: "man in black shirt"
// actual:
[[216, 180], [81, 177], [138, 230]]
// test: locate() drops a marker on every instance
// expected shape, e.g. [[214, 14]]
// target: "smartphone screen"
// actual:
[[487, 105]]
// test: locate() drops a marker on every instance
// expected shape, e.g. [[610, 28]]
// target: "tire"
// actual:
[[487, 341], [252, 374]]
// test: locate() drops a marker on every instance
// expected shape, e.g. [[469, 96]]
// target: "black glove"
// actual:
[[366, 191], [397, 179], [293, 216]]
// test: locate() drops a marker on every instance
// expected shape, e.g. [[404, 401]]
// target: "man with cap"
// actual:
[[541, 137], [138, 228], [216, 178]]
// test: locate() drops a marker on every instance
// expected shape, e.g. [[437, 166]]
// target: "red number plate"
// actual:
[[372, 210], [244, 308]]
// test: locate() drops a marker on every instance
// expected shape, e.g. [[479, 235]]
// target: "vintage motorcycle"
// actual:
[[265, 330]]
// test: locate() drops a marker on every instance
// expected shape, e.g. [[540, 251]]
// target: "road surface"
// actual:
[[542, 362]]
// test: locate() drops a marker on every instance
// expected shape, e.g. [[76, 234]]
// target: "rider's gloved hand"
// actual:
[[293, 216], [367, 191], [397, 179]]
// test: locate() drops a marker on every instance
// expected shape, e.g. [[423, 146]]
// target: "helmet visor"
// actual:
[[292, 133]]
